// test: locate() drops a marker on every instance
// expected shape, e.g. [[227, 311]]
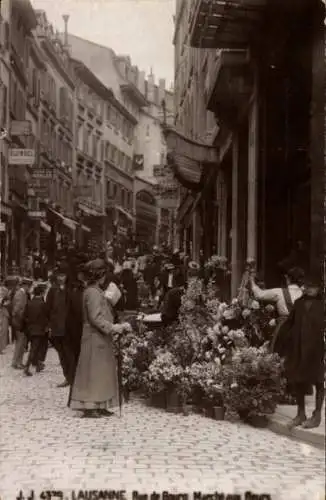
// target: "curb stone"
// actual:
[[279, 426]]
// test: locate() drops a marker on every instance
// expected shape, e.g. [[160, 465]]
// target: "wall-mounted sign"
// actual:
[[21, 156], [43, 173], [2, 227], [19, 128]]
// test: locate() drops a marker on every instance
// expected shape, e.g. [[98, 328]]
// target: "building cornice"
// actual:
[[121, 172]]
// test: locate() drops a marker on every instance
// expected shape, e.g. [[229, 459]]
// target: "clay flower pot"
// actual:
[[187, 409], [219, 412]]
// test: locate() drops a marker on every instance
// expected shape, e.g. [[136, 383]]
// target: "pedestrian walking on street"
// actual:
[[36, 324], [57, 302], [19, 303], [4, 316], [95, 387], [301, 342]]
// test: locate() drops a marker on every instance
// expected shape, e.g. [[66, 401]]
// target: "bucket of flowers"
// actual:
[[161, 378], [252, 384], [138, 351], [199, 387]]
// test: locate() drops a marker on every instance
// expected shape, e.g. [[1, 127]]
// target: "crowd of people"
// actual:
[[78, 296], [78, 310]]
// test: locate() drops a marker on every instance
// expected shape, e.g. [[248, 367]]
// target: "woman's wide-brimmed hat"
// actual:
[[193, 266], [95, 269]]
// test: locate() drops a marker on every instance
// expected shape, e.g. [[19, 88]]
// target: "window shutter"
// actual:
[[61, 103]]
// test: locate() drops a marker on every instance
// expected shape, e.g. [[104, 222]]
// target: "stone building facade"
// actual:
[[260, 78]]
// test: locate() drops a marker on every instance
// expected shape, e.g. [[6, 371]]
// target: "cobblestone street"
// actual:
[[45, 446]]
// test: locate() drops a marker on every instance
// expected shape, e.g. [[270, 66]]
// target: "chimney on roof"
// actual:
[[65, 18], [141, 82], [150, 87], [161, 90]]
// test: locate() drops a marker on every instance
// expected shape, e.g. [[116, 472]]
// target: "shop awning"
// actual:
[[188, 158], [217, 24], [45, 226], [89, 211], [71, 224]]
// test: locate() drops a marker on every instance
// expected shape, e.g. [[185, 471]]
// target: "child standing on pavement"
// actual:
[[36, 324]]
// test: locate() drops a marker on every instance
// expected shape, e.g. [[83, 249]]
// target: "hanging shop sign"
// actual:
[[21, 156], [19, 128], [2, 227], [138, 162]]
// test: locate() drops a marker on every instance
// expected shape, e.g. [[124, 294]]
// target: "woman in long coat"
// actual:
[[301, 343], [95, 387]]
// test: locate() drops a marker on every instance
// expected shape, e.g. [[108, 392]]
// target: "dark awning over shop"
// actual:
[[188, 158], [224, 23], [71, 224], [231, 24]]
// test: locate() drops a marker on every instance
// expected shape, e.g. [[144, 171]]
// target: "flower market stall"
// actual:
[[214, 360]]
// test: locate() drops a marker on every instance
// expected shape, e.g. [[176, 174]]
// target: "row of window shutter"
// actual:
[[50, 95], [53, 143], [34, 86], [4, 35], [17, 102], [120, 195]]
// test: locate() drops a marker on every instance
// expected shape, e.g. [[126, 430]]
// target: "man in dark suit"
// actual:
[[36, 324], [172, 300], [58, 302]]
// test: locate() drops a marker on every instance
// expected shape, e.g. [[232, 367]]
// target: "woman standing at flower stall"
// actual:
[[95, 387], [282, 298], [303, 349]]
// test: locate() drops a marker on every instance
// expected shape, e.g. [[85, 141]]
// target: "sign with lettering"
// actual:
[[43, 173], [2, 227], [21, 156], [19, 128]]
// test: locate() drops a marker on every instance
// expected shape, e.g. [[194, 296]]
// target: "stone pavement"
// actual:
[[45, 446], [285, 413]]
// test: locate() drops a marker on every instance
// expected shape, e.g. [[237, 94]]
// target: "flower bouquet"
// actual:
[[138, 351], [163, 373], [252, 383]]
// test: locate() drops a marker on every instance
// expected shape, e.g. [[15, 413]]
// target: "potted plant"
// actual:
[[252, 384], [162, 377]]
